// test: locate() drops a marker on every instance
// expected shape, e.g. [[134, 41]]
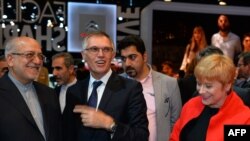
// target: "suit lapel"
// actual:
[[15, 98], [157, 88], [84, 91], [111, 87], [42, 101], [57, 90]]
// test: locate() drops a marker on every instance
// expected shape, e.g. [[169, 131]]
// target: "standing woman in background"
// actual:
[[197, 43]]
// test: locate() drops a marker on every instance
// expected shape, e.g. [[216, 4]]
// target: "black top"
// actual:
[[196, 129]]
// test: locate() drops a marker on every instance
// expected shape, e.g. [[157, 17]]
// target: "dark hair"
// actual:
[[246, 57], [169, 63], [68, 58], [208, 51], [132, 40], [246, 35]]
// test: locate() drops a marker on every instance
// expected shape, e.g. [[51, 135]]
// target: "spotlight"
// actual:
[[222, 2]]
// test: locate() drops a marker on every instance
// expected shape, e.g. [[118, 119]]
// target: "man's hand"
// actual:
[[93, 118]]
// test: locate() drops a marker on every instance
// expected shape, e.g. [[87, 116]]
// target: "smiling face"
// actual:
[[212, 92], [22, 66], [213, 82], [98, 59]]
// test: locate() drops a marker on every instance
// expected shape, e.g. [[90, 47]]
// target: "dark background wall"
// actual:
[[178, 24]]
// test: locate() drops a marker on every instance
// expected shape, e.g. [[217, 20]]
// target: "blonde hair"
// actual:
[[216, 67], [197, 46]]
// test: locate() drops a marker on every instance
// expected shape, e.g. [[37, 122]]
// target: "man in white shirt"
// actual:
[[63, 71], [227, 41], [113, 110]]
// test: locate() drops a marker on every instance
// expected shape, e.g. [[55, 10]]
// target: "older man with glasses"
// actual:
[[30, 110]]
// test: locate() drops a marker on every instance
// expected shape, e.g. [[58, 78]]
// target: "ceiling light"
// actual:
[[221, 2]]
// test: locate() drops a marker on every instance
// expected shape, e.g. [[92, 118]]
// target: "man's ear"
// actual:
[[71, 68], [9, 60]]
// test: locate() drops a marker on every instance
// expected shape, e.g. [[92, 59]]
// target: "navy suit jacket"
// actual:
[[16, 121], [122, 99]]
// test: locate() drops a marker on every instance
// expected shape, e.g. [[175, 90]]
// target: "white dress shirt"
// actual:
[[62, 95]]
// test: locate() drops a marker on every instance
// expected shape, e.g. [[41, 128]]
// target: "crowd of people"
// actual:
[[137, 104]]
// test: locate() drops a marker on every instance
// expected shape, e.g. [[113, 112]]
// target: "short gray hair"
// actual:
[[95, 33], [68, 58], [14, 43]]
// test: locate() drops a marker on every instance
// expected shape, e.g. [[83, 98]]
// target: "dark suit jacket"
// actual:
[[16, 121], [187, 87], [122, 99], [57, 90], [244, 94]]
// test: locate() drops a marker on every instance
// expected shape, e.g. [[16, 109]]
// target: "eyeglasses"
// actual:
[[131, 57], [96, 50], [31, 55]]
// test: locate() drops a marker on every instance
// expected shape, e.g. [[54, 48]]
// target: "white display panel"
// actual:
[[84, 17]]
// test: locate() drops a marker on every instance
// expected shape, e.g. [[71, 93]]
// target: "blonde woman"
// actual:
[[197, 43], [216, 105]]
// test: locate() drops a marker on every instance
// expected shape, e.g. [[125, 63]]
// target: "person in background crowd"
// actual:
[[246, 42], [105, 106], [217, 104], [160, 91], [3, 65], [167, 68], [187, 84], [227, 41], [243, 70], [64, 73], [197, 43], [30, 110], [114, 68], [43, 76]]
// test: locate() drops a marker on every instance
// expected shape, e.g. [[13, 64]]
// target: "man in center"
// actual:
[[115, 110], [160, 91]]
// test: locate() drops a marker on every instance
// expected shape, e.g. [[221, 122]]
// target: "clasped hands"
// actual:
[[93, 118]]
